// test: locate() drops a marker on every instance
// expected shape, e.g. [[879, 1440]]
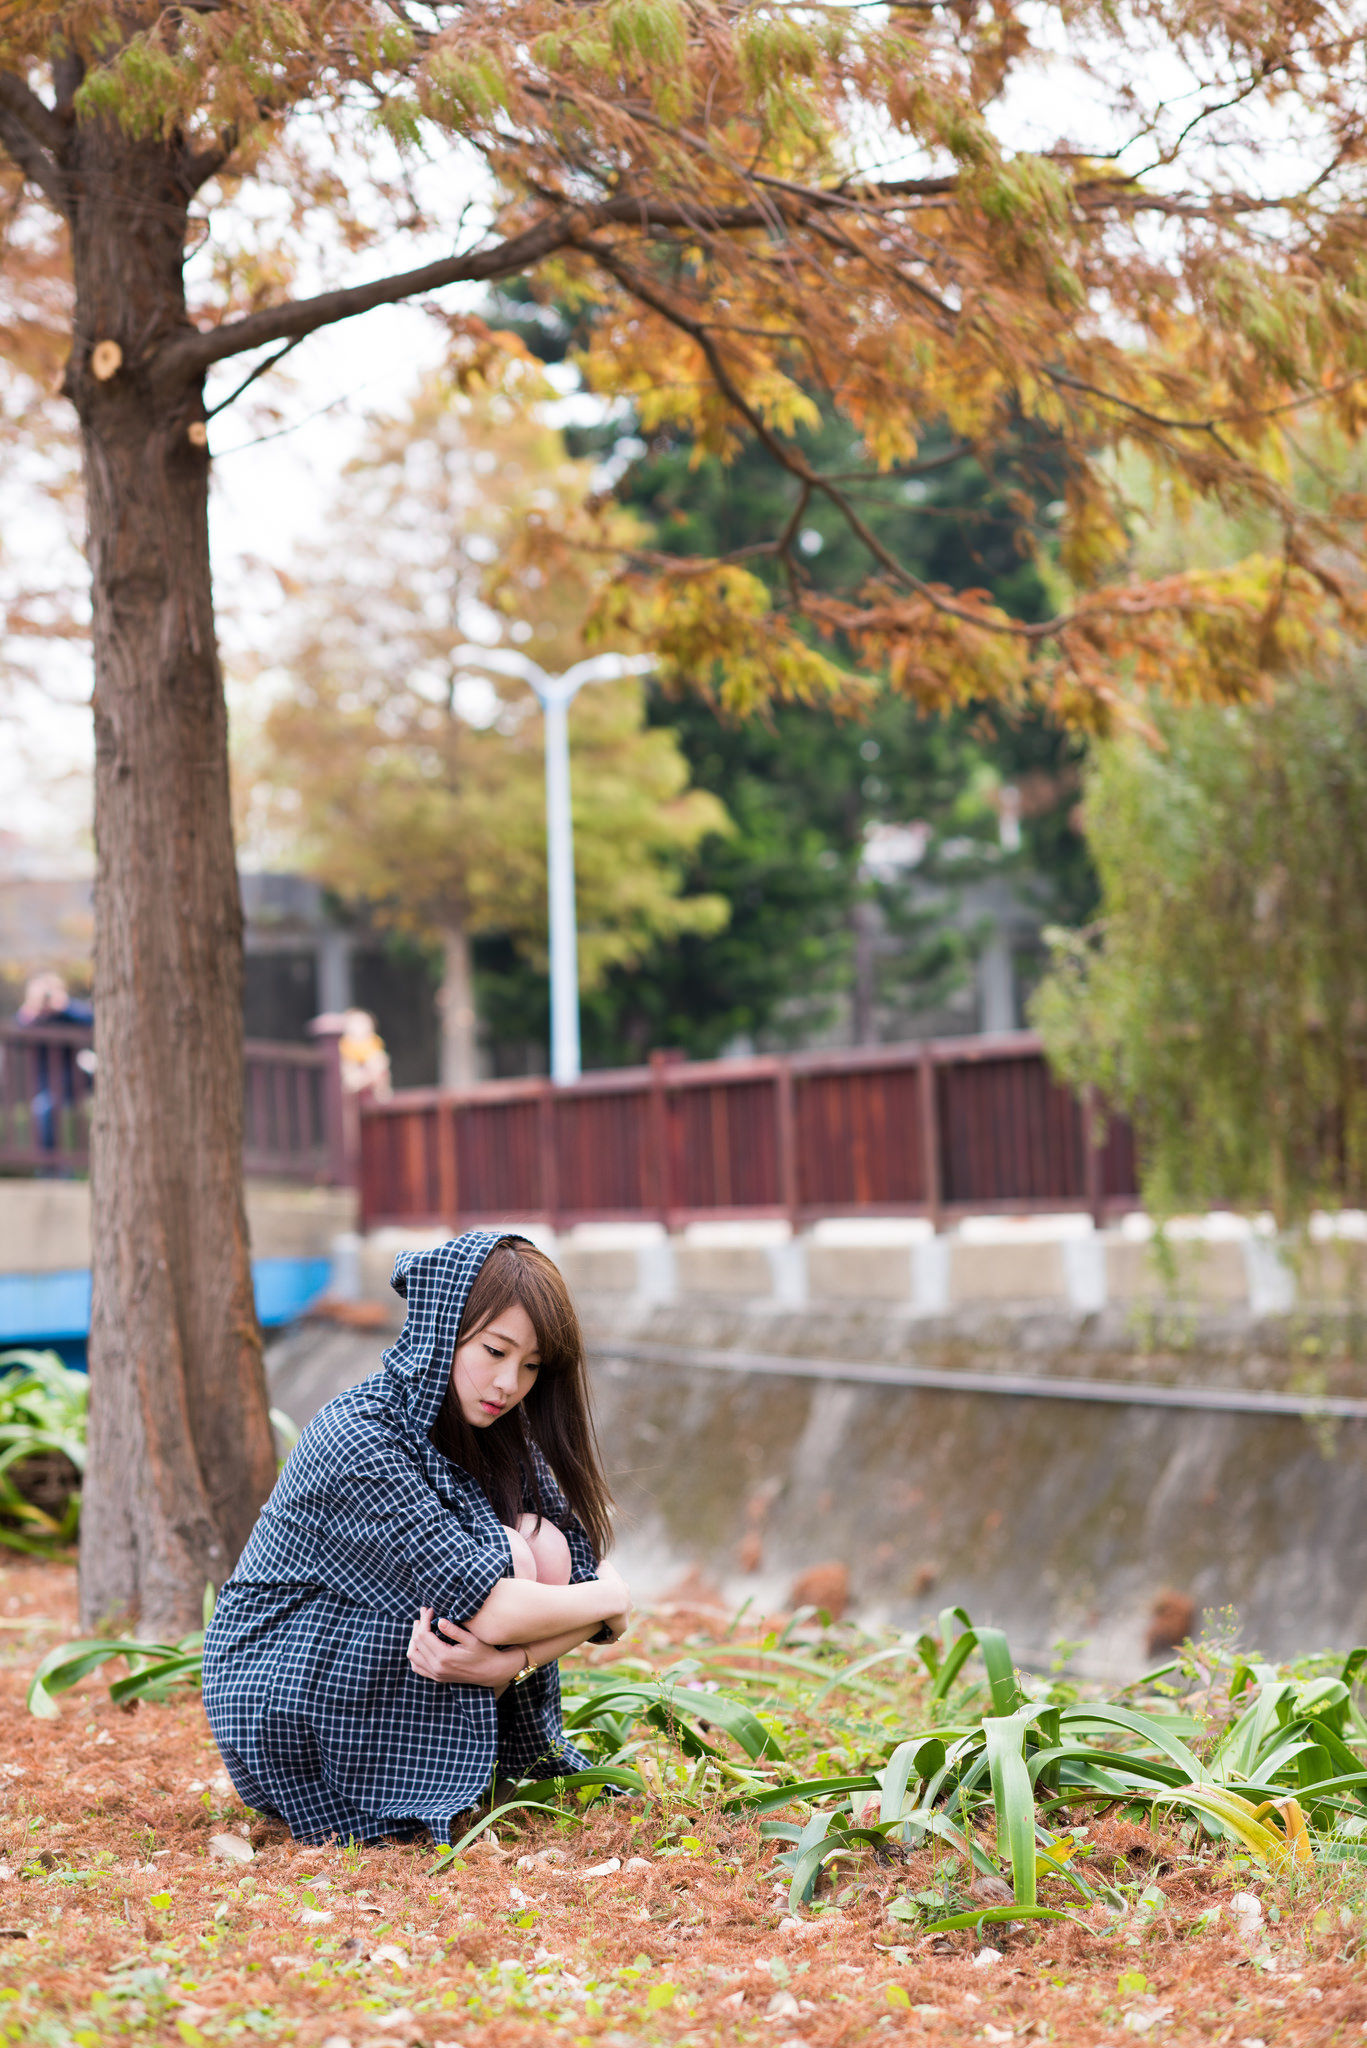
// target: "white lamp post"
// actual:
[[556, 694]]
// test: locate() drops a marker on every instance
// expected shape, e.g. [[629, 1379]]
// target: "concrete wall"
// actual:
[[45, 1224], [897, 1266], [756, 1406]]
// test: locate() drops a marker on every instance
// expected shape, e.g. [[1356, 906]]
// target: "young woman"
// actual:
[[432, 1546]]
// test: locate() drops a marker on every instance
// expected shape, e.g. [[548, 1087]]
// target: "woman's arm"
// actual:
[[548, 1648], [524, 1611], [455, 1657]]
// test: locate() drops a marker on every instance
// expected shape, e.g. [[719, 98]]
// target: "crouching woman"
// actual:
[[434, 1542]]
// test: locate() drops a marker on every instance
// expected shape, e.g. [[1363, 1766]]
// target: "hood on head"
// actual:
[[436, 1285]]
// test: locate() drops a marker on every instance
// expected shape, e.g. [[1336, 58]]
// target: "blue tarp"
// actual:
[[54, 1308]]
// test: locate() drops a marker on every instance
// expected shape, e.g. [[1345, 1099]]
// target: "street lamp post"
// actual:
[[556, 694]]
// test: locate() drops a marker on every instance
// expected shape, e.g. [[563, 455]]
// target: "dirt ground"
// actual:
[[116, 1922]]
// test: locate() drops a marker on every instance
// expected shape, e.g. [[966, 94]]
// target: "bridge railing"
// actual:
[[298, 1126], [944, 1127]]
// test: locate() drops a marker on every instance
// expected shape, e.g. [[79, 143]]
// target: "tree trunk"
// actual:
[[180, 1454], [864, 1015], [456, 1003]]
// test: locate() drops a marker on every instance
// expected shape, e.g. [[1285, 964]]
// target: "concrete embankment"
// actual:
[[1041, 1422], [45, 1255]]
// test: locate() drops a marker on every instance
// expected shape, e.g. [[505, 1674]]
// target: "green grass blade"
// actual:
[[1014, 1799], [807, 1859], [619, 1776], [810, 1856], [991, 1915], [69, 1663], [1149, 1727], [448, 1855], [845, 1680], [955, 1660], [157, 1675], [921, 1759], [774, 1797], [995, 1652]]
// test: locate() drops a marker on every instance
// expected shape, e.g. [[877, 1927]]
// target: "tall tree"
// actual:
[[766, 200], [805, 786], [395, 788], [1220, 999]]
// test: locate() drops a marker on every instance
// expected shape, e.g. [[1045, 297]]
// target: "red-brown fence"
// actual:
[[296, 1120], [950, 1126]]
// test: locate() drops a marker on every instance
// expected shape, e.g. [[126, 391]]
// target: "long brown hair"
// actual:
[[555, 1414]]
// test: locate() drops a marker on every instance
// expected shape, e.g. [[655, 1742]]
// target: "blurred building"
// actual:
[[304, 955]]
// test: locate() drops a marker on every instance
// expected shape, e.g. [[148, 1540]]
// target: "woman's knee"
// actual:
[[549, 1548], [524, 1555]]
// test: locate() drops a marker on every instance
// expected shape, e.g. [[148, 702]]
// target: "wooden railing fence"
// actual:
[[298, 1126], [947, 1127]]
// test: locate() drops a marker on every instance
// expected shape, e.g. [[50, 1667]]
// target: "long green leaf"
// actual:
[[1001, 1672], [675, 1709], [159, 1676], [1014, 1798], [773, 1797], [1150, 1727], [616, 1777], [69, 1663], [900, 1653], [992, 1915], [812, 1855], [918, 1759], [449, 1854]]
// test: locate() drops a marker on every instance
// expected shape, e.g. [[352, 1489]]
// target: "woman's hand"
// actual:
[[619, 1620], [455, 1657]]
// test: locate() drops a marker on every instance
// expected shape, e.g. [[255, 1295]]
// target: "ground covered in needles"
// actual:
[[126, 1911]]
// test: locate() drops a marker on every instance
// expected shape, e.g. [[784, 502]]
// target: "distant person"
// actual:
[[433, 1547], [52, 1069], [365, 1063]]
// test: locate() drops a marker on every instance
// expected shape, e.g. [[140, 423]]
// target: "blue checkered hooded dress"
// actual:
[[318, 1713]]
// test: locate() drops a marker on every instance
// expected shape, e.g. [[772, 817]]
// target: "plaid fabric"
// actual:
[[319, 1715]]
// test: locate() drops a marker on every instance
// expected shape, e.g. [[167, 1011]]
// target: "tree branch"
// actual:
[[811, 479], [189, 354], [46, 128], [558, 228], [33, 135], [261, 368]]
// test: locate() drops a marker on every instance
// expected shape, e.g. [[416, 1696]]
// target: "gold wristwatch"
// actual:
[[527, 1667]]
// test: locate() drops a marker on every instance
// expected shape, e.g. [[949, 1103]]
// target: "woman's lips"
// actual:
[[492, 1407]]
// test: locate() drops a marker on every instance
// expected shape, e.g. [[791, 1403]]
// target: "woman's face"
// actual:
[[496, 1368]]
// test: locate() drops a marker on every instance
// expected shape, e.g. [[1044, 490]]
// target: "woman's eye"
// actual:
[[494, 1354]]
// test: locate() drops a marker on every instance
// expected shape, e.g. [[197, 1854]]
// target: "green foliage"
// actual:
[[1221, 999], [1273, 1766], [154, 1669], [42, 1416], [1003, 1747], [802, 784], [380, 777]]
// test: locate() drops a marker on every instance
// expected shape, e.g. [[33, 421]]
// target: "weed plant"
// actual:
[[42, 1428], [846, 1747]]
